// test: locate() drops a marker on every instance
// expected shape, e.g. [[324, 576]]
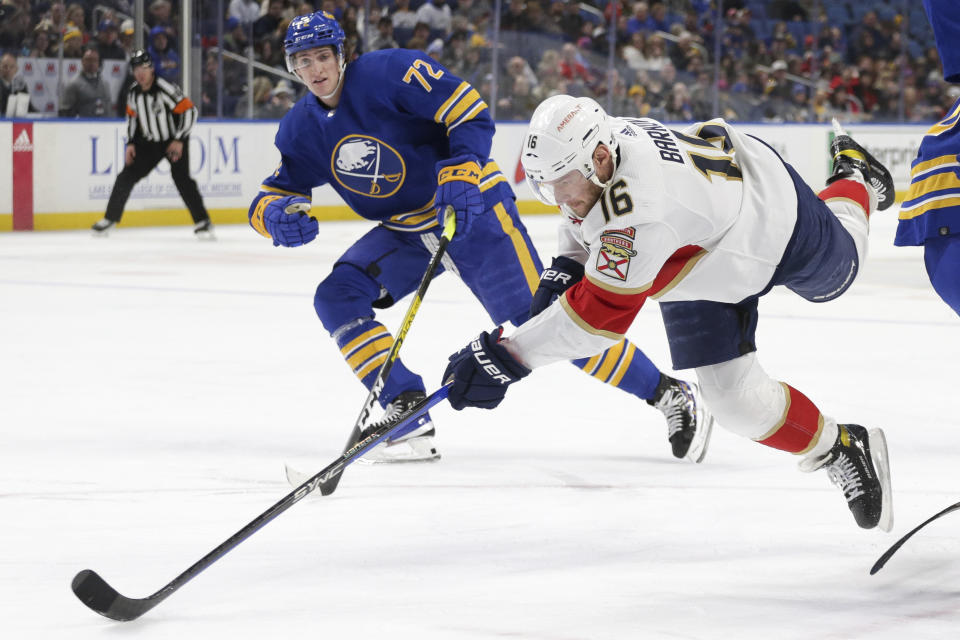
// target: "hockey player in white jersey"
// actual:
[[704, 220]]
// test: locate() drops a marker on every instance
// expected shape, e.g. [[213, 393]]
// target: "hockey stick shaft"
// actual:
[[94, 591], [882, 560], [449, 228]]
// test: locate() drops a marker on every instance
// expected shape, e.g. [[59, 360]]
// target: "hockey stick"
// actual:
[[449, 228], [94, 591], [892, 550]]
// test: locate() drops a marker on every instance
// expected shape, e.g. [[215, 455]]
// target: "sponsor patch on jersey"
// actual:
[[616, 249], [368, 166]]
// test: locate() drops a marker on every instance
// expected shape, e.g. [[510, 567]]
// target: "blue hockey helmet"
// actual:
[[319, 29]]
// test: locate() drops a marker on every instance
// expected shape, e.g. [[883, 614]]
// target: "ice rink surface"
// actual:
[[153, 387]]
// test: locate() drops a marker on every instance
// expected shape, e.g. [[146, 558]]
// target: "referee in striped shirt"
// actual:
[[159, 119]]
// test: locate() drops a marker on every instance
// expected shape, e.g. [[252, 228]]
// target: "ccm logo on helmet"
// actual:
[[492, 370]]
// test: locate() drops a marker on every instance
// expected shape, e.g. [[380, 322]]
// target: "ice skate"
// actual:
[[857, 463], [848, 156], [102, 227], [414, 443], [688, 422], [203, 230]]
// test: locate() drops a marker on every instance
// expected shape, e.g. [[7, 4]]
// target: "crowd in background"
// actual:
[[776, 60]]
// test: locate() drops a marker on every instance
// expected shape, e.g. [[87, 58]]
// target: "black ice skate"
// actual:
[[688, 422], [848, 156], [203, 230], [857, 464], [414, 443], [102, 226]]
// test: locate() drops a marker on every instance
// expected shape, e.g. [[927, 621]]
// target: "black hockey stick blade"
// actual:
[[892, 550], [93, 591]]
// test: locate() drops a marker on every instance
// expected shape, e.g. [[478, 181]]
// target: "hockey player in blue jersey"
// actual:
[[930, 213], [400, 138]]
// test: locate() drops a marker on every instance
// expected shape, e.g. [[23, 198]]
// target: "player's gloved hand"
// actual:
[[562, 274], [458, 181], [286, 219], [481, 372]]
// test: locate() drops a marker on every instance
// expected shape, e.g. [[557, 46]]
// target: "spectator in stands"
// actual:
[[435, 49], [475, 12], [682, 51], [125, 38], [640, 21], [77, 17], [420, 38], [161, 15], [518, 102], [515, 18], [245, 11], [166, 62], [72, 43], [571, 24], [679, 107], [234, 36], [107, 46], [11, 33], [45, 40], [661, 20], [268, 24], [518, 67], [10, 82], [282, 99], [404, 20], [87, 95], [383, 38], [654, 54], [437, 15], [632, 52], [262, 88], [572, 66]]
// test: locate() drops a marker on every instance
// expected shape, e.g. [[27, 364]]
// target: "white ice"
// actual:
[[152, 387]]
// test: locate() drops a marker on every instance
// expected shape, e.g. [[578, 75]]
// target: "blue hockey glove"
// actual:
[[481, 372], [562, 274], [458, 181], [286, 219]]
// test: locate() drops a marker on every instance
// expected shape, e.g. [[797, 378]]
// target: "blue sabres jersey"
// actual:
[[944, 17], [932, 204], [399, 114]]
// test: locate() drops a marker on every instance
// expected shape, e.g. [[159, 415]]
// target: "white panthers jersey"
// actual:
[[705, 213]]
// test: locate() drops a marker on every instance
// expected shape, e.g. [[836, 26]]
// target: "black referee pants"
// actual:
[[148, 155]]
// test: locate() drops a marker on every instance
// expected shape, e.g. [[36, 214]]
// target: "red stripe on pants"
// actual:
[[800, 427], [850, 189], [22, 176]]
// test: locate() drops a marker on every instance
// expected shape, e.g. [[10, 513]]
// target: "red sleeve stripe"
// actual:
[[847, 191], [800, 427], [676, 269], [601, 311]]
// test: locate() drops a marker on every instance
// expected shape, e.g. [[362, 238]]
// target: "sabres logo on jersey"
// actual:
[[368, 166], [616, 249]]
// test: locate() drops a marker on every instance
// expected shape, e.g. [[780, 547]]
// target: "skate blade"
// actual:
[[881, 464], [419, 449]]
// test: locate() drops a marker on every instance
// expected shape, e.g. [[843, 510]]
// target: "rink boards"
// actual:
[[58, 174]]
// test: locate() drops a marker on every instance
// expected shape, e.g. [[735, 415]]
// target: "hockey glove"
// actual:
[[286, 219], [562, 274], [481, 372], [458, 181]]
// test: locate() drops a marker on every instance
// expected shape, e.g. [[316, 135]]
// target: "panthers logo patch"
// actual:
[[368, 166], [616, 249]]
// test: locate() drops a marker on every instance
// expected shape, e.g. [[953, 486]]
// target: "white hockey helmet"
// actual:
[[564, 132]]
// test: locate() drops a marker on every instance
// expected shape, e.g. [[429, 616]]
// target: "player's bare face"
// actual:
[[319, 69], [574, 193]]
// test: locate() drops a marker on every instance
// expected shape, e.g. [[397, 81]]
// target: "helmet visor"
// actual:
[[560, 190]]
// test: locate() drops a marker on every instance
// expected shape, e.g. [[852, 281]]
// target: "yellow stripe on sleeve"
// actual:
[[462, 105], [439, 115], [376, 332], [362, 355]]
